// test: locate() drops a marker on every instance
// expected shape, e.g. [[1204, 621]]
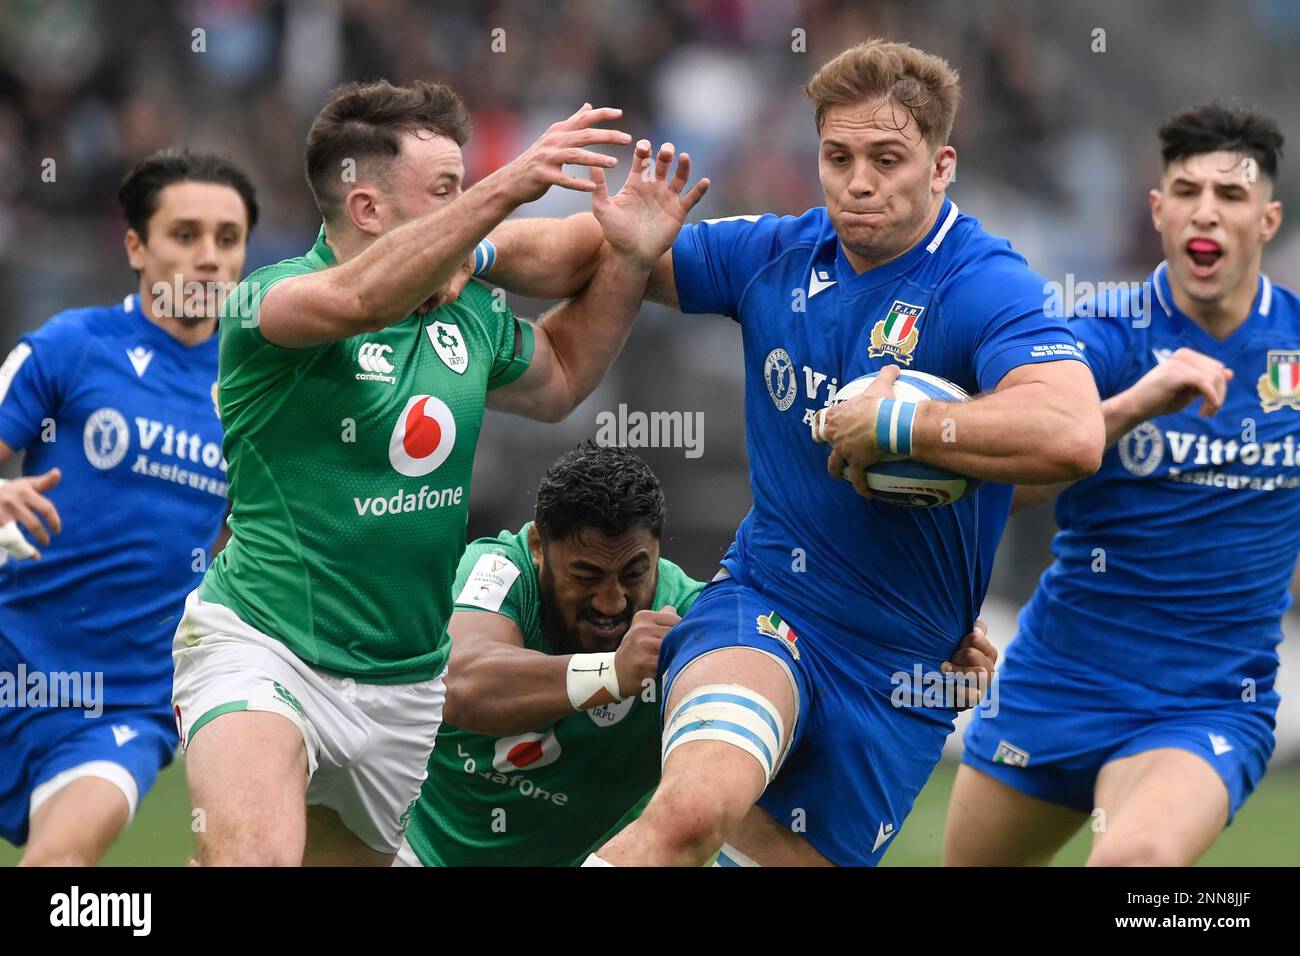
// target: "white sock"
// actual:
[[594, 860]]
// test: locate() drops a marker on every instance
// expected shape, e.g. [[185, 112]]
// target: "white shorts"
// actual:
[[406, 856], [368, 745]]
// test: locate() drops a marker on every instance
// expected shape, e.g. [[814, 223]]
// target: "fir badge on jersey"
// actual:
[[896, 334], [1279, 386]]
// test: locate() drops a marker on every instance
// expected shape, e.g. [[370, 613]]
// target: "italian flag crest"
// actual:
[[896, 334], [1279, 386], [1285, 377], [771, 625]]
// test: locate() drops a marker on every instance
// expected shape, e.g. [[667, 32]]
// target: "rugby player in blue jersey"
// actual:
[[778, 681], [117, 513], [1140, 687]]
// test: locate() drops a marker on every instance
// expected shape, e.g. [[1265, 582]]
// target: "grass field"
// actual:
[[1265, 833]]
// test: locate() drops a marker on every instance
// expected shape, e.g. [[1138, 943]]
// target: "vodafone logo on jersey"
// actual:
[[423, 437], [526, 752]]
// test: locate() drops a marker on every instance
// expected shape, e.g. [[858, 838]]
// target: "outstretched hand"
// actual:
[[564, 143], [643, 218]]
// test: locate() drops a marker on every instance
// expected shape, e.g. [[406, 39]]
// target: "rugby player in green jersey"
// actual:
[[554, 664], [308, 665]]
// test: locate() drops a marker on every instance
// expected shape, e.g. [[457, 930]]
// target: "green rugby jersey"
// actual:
[[550, 797], [349, 470]]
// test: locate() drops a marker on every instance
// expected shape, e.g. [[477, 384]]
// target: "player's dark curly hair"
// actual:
[[139, 191], [362, 122], [1213, 128], [609, 489]]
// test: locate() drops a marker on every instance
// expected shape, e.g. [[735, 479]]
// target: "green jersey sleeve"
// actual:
[[511, 337], [497, 575], [250, 365]]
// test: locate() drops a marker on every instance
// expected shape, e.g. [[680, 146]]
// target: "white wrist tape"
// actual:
[[589, 673], [11, 539]]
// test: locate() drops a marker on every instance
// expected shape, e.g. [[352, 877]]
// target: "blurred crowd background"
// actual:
[[1055, 137]]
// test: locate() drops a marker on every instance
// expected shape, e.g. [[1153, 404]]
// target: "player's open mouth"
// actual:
[[605, 626], [1204, 256]]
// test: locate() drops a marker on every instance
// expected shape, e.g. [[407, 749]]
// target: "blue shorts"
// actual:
[[1057, 722], [44, 748], [856, 762]]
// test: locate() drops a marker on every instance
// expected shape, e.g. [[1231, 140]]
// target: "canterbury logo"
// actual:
[[371, 358]]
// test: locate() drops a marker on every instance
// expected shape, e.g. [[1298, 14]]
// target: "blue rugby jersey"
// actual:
[[1195, 521], [128, 413], [961, 304]]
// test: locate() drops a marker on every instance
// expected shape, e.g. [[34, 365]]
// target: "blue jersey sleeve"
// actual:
[[34, 377], [1002, 305], [1106, 345], [715, 260]]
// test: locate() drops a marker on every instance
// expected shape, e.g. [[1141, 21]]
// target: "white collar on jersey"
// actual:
[[1265, 295], [953, 213]]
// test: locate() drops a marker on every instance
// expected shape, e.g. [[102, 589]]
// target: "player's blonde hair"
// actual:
[[922, 83]]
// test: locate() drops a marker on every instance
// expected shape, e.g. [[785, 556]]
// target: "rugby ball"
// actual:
[[898, 480]]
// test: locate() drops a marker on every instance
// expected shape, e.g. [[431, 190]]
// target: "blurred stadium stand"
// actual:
[[1056, 144]]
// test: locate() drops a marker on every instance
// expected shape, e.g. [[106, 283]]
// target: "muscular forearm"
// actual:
[[1025, 434], [546, 258], [587, 332], [501, 690], [1121, 413], [1120, 417], [401, 269]]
